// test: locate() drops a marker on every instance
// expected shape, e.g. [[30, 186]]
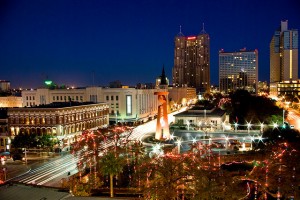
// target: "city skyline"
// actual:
[[93, 43]]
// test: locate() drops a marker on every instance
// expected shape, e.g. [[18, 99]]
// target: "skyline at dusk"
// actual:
[[84, 43]]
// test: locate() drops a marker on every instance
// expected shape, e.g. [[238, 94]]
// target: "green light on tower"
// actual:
[[48, 82]]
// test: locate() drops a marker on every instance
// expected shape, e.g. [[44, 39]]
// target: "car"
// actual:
[[292, 126], [17, 157], [2, 158]]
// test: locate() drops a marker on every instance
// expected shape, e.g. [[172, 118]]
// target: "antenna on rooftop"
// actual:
[[180, 33], [203, 30]]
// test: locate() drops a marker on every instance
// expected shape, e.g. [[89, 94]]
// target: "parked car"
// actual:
[[17, 157]]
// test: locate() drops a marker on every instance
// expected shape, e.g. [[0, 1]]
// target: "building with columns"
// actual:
[[4, 135], [62, 119]]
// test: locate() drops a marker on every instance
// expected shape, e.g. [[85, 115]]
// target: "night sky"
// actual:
[[72, 41]]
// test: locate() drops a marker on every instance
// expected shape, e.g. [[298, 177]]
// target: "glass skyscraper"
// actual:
[[284, 54], [238, 70]]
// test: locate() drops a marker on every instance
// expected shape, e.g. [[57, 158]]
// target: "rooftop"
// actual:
[[18, 191], [63, 104], [197, 113]]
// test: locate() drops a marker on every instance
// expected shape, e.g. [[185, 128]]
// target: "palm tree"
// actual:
[[111, 164]]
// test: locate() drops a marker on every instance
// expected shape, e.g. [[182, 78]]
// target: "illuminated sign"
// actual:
[[191, 37], [48, 82]]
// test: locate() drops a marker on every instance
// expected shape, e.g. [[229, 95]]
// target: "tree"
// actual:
[[111, 164], [254, 109], [25, 140], [276, 174], [164, 176], [95, 146]]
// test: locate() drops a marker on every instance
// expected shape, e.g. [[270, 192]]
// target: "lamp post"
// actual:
[[188, 124], [252, 140], [235, 127], [248, 127], [178, 145], [226, 144], [261, 127]]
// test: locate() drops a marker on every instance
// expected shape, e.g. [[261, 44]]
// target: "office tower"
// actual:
[[238, 70], [4, 85], [284, 54], [192, 61]]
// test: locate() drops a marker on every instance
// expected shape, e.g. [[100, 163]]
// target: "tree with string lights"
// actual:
[[276, 174], [111, 164], [95, 145], [165, 176]]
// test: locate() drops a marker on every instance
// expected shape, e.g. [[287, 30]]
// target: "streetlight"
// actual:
[[248, 127], [235, 126], [261, 127], [188, 124], [194, 140], [275, 125], [226, 139], [200, 124], [252, 140]]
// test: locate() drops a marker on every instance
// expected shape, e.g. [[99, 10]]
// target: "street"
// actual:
[[52, 172], [294, 118]]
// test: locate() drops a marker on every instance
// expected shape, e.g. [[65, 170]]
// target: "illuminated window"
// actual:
[[128, 105]]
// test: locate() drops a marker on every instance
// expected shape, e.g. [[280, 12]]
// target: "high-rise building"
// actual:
[[284, 54], [192, 61], [4, 85], [238, 70]]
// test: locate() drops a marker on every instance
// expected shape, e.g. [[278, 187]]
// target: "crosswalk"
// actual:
[[49, 171]]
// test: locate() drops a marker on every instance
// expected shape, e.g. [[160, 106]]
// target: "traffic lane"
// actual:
[[293, 118]]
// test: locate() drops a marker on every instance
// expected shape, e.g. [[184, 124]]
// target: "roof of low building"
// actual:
[[212, 113], [19, 191], [62, 104]]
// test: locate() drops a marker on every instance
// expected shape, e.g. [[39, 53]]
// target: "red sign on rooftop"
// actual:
[[191, 37]]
